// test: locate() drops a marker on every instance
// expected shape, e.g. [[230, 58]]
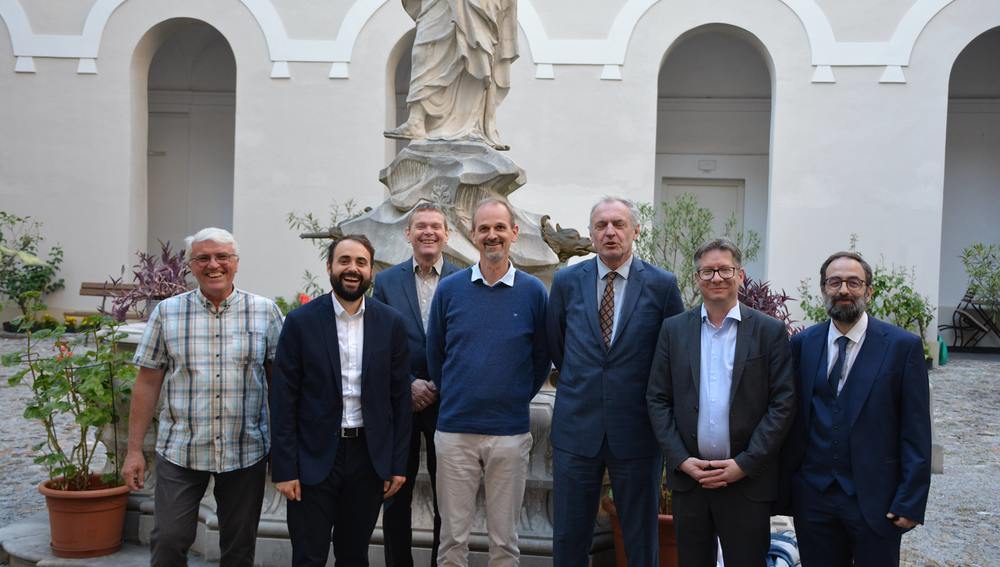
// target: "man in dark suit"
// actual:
[[603, 318], [340, 412], [859, 453], [721, 397], [409, 288]]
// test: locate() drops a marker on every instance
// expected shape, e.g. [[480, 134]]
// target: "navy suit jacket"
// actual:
[[396, 288], [602, 392], [307, 393], [889, 417]]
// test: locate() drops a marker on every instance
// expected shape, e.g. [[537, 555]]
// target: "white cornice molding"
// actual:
[[610, 52]]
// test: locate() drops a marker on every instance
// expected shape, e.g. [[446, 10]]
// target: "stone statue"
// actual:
[[461, 61]]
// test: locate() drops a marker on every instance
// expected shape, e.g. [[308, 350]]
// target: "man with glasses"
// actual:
[[209, 351], [721, 398], [859, 454]]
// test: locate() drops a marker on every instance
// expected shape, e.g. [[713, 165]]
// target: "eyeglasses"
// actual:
[[221, 258], [853, 284], [726, 273]]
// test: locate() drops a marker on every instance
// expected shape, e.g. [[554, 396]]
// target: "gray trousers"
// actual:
[[238, 494]]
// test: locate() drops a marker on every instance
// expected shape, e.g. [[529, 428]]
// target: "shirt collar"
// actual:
[[438, 266], [734, 313], [339, 310], [507, 279], [623, 270], [856, 333], [231, 299]]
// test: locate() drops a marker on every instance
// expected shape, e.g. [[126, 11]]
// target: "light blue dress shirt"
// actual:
[[620, 282], [718, 348]]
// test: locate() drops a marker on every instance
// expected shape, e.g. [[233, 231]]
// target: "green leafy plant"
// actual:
[[309, 223], [894, 298], [982, 264], [22, 271], [671, 234], [77, 378]]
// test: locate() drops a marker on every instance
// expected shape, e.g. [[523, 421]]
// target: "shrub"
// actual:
[[21, 270], [156, 277]]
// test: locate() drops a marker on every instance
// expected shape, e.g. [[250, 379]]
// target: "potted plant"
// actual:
[[77, 381], [667, 537], [156, 278]]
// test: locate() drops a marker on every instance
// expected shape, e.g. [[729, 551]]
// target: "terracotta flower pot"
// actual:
[[668, 539], [86, 523]]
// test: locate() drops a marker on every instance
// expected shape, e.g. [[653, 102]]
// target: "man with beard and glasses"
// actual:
[[857, 462], [409, 287], [486, 353], [340, 411]]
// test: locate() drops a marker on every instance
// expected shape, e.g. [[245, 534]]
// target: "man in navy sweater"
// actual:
[[486, 353]]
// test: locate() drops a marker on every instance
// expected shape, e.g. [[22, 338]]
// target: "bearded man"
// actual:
[[340, 411], [858, 457]]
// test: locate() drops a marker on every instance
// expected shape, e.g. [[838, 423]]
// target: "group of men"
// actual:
[[831, 426]]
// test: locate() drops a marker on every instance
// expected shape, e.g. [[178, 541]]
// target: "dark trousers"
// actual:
[[238, 495], [346, 502], [832, 532], [635, 484], [741, 525], [398, 512]]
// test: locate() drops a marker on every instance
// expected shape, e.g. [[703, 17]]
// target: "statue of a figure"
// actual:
[[461, 61]]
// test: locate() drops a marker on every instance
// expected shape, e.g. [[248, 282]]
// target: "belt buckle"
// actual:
[[350, 432]]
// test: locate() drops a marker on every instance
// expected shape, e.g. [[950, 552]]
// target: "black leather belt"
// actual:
[[351, 432]]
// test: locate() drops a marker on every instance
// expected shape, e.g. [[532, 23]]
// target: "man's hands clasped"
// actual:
[[712, 474]]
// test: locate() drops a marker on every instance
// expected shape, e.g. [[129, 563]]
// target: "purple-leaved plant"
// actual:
[[156, 277], [760, 296]]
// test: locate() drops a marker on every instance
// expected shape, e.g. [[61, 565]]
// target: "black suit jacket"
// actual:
[[307, 394], [762, 398], [396, 288]]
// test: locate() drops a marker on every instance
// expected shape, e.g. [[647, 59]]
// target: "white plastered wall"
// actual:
[[854, 156]]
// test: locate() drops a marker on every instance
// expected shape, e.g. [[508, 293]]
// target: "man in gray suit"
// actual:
[[721, 398]]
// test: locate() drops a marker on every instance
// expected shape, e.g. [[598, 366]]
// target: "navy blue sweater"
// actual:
[[486, 352]]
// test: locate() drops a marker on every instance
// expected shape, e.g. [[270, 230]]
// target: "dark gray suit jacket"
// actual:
[[762, 398]]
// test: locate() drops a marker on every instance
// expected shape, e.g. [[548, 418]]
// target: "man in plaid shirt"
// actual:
[[209, 352]]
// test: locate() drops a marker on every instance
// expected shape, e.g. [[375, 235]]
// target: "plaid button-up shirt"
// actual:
[[214, 416]]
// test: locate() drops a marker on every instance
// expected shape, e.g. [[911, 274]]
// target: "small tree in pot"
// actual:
[[77, 380]]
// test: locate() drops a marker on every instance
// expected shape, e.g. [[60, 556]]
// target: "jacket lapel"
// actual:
[[745, 331], [693, 336], [815, 349], [409, 285], [633, 289], [588, 289], [866, 368], [328, 322], [370, 321]]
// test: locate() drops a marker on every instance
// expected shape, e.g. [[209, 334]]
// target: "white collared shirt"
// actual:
[[856, 337], [620, 282], [426, 286], [718, 350], [351, 340], [507, 279]]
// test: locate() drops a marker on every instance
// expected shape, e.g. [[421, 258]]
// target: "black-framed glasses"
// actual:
[[726, 273], [853, 284], [221, 258]]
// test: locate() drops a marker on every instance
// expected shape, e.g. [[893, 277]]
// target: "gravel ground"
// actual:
[[963, 511]]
